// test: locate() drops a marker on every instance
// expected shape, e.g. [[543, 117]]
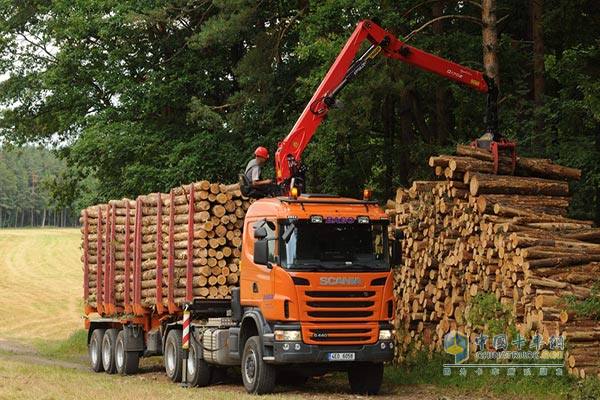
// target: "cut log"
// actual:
[[496, 184]]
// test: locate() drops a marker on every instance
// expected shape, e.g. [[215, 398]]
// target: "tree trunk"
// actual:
[[499, 184], [44, 218], [597, 194], [389, 128], [406, 129], [442, 116], [537, 33], [490, 40]]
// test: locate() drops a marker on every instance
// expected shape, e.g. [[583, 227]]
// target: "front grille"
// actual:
[[340, 314], [340, 304], [345, 338], [328, 331], [333, 335], [334, 294]]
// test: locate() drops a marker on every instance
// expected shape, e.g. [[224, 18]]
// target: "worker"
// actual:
[[256, 187]]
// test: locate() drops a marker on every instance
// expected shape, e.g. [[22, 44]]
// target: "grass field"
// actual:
[[40, 284], [43, 344]]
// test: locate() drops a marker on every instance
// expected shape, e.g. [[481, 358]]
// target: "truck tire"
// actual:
[[199, 371], [127, 362], [365, 378], [108, 351], [95, 350], [173, 355], [258, 376]]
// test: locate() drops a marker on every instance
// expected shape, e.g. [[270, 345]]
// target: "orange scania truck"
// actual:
[[315, 291], [315, 295]]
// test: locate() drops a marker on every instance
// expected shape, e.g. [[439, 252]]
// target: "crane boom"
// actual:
[[346, 68]]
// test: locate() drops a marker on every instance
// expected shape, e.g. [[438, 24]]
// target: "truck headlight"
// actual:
[[287, 336], [385, 334]]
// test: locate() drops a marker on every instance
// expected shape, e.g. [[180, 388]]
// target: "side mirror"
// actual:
[[396, 258], [260, 233], [261, 251]]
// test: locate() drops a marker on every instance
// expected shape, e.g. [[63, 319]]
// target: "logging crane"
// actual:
[[288, 166]]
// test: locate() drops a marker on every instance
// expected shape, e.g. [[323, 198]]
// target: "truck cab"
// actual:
[[316, 290]]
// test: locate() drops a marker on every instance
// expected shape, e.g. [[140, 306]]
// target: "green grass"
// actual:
[[74, 348], [425, 371], [23, 380], [420, 371]]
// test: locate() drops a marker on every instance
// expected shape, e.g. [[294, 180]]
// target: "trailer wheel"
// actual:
[[127, 362], [108, 351], [173, 355], [199, 371], [366, 378], [95, 350], [258, 376]]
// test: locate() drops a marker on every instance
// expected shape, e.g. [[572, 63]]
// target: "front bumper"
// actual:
[[299, 353]]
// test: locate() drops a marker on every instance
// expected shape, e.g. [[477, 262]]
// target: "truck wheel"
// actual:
[[95, 350], [365, 378], [258, 376], [108, 351], [199, 371], [127, 362], [173, 355]]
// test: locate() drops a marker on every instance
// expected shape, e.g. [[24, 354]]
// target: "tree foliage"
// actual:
[[27, 198], [144, 95]]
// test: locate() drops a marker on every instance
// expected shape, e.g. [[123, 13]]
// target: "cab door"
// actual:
[[256, 283]]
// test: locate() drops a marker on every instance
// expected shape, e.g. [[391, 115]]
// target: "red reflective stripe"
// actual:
[[186, 330]]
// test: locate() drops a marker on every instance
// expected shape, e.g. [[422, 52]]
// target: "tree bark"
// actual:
[[490, 40], [389, 128], [407, 133], [537, 33], [442, 94], [497, 184], [597, 191], [538, 167]]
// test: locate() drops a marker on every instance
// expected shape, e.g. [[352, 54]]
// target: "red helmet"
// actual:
[[261, 152]]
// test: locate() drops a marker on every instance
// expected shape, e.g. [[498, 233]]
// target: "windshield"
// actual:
[[349, 245]]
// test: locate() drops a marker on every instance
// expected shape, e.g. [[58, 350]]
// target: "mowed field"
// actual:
[[40, 284]]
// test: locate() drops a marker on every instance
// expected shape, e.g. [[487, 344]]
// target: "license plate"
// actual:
[[341, 356]]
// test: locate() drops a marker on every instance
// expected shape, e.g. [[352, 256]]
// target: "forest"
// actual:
[[27, 178], [141, 96]]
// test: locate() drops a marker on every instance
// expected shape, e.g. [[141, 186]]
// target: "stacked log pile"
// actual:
[[196, 227], [473, 232]]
